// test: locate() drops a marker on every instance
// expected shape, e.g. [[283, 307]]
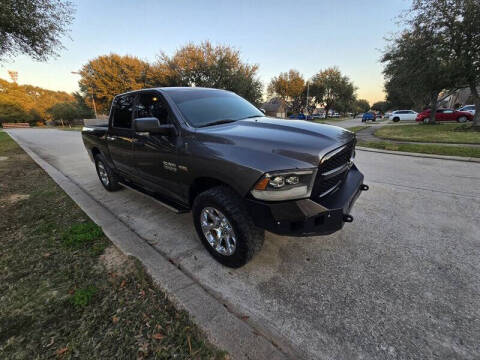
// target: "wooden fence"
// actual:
[[15, 125]]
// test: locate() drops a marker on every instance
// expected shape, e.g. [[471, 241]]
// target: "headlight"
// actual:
[[285, 185]]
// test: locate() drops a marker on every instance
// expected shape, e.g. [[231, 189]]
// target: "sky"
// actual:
[[277, 35]]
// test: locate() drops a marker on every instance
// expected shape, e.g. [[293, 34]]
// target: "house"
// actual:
[[457, 98], [275, 107]]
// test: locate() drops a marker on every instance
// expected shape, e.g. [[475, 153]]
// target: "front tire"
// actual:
[[106, 175], [226, 229], [462, 119], [396, 119]]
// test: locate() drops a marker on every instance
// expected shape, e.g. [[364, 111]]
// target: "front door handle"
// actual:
[[111, 138]]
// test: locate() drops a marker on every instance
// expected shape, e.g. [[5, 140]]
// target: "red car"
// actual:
[[446, 115]]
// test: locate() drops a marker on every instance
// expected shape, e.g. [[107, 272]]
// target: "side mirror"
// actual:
[[152, 126], [263, 111]]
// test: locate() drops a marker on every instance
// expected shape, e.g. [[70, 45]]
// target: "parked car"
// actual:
[[318, 116], [368, 116], [401, 115], [239, 172], [378, 115], [387, 115], [301, 116], [446, 115], [469, 108]]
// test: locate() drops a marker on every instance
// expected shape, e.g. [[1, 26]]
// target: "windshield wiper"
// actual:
[[252, 116], [218, 122]]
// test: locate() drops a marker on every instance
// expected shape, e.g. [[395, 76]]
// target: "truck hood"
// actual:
[[302, 141]]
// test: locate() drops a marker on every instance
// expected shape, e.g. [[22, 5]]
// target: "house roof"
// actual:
[[273, 105]]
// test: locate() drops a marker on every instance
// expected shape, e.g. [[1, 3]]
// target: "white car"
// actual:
[[469, 108], [403, 115]]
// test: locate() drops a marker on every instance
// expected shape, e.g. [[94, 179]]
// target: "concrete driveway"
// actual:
[[400, 282]]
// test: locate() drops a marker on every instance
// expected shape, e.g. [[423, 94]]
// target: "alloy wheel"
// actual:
[[102, 173], [218, 231]]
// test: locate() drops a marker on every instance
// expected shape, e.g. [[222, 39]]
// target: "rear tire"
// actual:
[[396, 119], [462, 119], [106, 175], [225, 205]]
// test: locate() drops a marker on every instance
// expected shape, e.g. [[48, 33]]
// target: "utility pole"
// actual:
[[306, 105]]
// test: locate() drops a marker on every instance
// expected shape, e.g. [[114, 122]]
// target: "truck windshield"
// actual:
[[204, 107]]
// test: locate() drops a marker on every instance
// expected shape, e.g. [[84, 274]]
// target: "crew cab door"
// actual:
[[120, 134], [155, 155]]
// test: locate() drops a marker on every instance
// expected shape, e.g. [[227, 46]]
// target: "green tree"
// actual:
[[381, 106], [33, 101], [11, 112], [360, 106], [332, 90], [33, 27], [108, 75], [206, 65], [457, 22], [417, 62], [290, 88], [83, 110], [64, 112]]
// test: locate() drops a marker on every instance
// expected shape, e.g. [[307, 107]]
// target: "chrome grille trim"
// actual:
[[333, 153], [334, 187]]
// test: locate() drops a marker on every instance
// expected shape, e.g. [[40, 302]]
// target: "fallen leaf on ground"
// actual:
[[115, 319], [158, 336], [61, 351]]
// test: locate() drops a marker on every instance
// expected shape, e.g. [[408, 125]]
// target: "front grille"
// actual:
[[326, 184], [338, 159]]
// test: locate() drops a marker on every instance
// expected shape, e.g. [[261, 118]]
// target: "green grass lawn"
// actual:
[[356, 129], [424, 148], [73, 128], [66, 291], [446, 133], [331, 120]]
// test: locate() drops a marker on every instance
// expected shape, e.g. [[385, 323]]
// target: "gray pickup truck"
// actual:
[[239, 172]]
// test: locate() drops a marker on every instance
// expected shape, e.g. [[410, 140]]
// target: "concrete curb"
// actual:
[[429, 156], [223, 328]]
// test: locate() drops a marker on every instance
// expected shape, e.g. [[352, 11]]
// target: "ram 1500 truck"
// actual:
[[239, 172]]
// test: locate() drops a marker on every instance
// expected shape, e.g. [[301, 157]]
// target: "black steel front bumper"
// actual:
[[307, 216]]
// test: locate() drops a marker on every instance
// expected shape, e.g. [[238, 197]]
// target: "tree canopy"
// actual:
[[109, 75], [417, 64], [33, 27], [381, 106], [206, 65], [439, 50], [332, 90], [27, 103], [192, 65], [360, 106], [290, 88], [457, 22]]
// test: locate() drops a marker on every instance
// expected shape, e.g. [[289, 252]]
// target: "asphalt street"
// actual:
[[400, 282]]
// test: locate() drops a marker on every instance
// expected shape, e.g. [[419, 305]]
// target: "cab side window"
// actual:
[[122, 111], [150, 105]]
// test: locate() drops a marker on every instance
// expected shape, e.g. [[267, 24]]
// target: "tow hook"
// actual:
[[364, 187], [347, 218]]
